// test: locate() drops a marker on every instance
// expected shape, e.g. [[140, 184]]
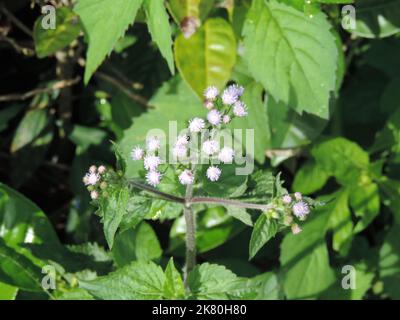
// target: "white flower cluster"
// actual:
[[298, 207], [150, 158], [222, 109], [93, 180]]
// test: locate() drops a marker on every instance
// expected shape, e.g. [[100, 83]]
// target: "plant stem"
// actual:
[[230, 202], [190, 237]]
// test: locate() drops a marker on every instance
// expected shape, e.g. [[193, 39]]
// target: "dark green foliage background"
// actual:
[[324, 103]]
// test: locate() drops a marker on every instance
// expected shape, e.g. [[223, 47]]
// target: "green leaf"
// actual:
[[240, 214], [48, 41], [112, 210], [7, 292], [75, 294], [104, 22], [304, 258], [364, 200], [292, 55], [256, 120], [389, 263], [84, 137], [137, 281], [377, 18], [160, 30], [208, 56], [120, 158], [29, 128], [140, 243], [390, 193], [17, 270], [173, 285], [264, 229], [262, 287], [309, 178], [341, 158], [210, 281], [196, 9], [340, 220]]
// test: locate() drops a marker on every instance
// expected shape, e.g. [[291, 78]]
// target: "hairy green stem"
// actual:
[[190, 237]]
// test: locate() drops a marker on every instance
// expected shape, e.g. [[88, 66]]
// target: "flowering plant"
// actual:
[[186, 179]]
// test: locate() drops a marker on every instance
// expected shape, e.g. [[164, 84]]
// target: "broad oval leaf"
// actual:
[[265, 228], [104, 22], [48, 41], [293, 55], [208, 56]]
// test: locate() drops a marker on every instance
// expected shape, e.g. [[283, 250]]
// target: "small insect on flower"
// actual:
[[301, 209], [137, 153], [186, 177], [153, 177], [153, 144], [214, 117], [151, 162], [213, 173], [179, 150], [210, 147], [296, 228], [94, 195], [239, 109], [226, 119], [226, 155], [298, 195], [286, 199], [102, 169], [211, 93], [196, 125], [91, 178]]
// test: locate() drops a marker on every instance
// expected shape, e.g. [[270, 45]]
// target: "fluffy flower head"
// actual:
[[137, 153], [153, 177], [196, 125], [151, 162], [91, 178], [211, 93], [239, 109], [286, 199], [213, 173], [186, 177], [153, 144], [210, 147], [214, 117], [226, 155], [301, 209]]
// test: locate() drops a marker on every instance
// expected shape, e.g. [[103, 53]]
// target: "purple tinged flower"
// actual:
[[298, 195], [137, 153], [213, 173], [214, 117], [209, 104], [211, 93], [151, 162], [186, 177], [153, 144], [196, 125], [229, 96], [239, 109], [153, 177], [286, 199], [92, 169], [91, 178], [210, 147], [179, 150], [300, 209], [226, 155], [182, 141]]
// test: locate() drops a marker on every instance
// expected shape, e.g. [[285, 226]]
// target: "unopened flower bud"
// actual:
[[286, 199], [295, 228], [287, 221], [103, 185], [297, 195], [92, 169], [90, 188], [94, 194], [102, 169]]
